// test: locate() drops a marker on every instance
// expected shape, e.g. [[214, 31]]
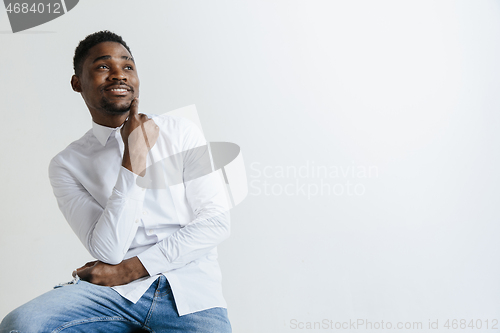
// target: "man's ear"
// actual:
[[75, 83]]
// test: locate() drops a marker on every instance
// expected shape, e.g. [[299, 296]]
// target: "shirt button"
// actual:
[[137, 221], [150, 231], [145, 212], [143, 189]]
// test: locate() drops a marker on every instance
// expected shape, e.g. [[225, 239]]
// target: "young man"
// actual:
[[155, 245]]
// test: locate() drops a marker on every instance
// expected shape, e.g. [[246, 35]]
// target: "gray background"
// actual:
[[409, 88]]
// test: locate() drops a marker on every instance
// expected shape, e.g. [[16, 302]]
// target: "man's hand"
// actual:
[[103, 274], [139, 134]]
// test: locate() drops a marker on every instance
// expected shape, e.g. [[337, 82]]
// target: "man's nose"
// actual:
[[118, 74]]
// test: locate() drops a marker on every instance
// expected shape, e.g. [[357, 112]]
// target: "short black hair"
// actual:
[[89, 42]]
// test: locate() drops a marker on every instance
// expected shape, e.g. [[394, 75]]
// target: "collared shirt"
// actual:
[[173, 229]]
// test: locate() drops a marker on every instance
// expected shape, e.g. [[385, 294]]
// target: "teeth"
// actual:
[[118, 89]]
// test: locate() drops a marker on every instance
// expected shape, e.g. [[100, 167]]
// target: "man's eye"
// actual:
[[102, 66], [129, 67]]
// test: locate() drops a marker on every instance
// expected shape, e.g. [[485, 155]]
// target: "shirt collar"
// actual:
[[102, 133]]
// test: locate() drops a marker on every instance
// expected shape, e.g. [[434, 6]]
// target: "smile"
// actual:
[[118, 88], [118, 91]]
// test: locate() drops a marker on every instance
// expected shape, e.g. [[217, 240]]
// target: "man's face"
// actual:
[[108, 81]]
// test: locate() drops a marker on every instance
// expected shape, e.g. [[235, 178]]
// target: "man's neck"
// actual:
[[109, 120]]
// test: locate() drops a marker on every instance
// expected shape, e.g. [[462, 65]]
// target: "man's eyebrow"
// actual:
[[105, 57]]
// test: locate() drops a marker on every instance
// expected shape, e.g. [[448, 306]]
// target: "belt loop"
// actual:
[[163, 286], [163, 281]]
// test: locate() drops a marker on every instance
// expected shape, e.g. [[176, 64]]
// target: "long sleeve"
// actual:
[[207, 199], [108, 231], [118, 215]]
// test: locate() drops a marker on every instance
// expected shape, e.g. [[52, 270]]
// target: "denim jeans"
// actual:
[[85, 307]]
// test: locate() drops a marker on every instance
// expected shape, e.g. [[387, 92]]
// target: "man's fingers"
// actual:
[[83, 273], [87, 265], [134, 108]]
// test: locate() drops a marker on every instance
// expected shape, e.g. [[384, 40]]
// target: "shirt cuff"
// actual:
[[153, 260], [126, 185]]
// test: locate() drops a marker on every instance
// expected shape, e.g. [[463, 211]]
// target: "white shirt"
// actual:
[[173, 230]]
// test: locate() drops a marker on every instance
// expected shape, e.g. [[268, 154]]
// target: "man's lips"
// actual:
[[120, 90]]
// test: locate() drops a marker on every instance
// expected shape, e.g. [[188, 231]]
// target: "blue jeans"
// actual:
[[85, 307]]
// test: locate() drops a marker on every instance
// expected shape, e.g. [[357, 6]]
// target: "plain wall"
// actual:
[[369, 130]]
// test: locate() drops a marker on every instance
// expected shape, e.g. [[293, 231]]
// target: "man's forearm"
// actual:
[[135, 163]]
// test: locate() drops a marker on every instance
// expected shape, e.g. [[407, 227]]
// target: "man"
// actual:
[[155, 245]]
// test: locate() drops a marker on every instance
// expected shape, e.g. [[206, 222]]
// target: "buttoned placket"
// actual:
[[118, 138]]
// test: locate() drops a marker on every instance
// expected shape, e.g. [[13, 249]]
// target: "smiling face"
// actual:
[[108, 83]]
